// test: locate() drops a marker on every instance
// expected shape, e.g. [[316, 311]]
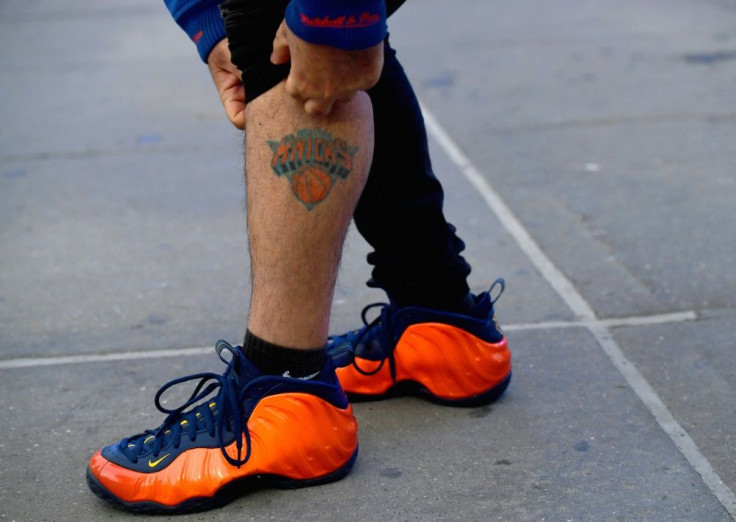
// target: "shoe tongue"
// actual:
[[242, 370]]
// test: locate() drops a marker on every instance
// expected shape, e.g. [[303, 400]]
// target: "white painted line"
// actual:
[[580, 307], [559, 282], [32, 362], [508, 220], [546, 325], [666, 420], [35, 362], [644, 320]]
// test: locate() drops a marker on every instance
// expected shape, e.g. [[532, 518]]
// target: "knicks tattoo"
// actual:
[[312, 160]]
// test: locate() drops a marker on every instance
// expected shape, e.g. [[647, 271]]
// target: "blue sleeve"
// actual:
[[345, 24], [201, 20]]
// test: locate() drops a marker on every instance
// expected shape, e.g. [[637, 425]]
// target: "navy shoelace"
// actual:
[[223, 413], [344, 347]]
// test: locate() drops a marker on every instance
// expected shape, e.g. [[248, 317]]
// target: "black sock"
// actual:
[[277, 360]]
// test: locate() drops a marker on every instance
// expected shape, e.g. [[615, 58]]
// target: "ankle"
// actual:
[[279, 360]]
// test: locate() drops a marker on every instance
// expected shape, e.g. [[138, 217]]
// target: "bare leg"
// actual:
[[304, 175]]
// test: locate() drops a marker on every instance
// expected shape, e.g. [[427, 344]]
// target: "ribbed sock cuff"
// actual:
[[278, 360]]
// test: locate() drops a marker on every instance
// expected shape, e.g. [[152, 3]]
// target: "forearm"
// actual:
[[345, 24]]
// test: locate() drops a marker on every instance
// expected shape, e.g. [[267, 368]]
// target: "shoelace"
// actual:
[[223, 412], [348, 342], [343, 346]]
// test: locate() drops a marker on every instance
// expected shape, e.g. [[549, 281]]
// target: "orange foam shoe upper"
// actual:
[[293, 435], [448, 361]]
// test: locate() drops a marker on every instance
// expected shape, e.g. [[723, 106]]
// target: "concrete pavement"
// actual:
[[588, 156]]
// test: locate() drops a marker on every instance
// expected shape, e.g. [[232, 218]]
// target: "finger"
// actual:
[[319, 107], [233, 101], [236, 114], [292, 88], [238, 119], [280, 53]]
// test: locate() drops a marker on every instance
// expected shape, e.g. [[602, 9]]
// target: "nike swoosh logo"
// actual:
[[305, 378], [157, 462]]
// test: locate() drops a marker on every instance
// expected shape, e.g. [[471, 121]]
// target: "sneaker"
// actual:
[[257, 431], [449, 358]]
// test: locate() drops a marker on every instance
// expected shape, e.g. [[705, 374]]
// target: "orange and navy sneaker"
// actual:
[[257, 431], [449, 358]]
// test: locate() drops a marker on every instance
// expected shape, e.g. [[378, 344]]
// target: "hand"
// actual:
[[321, 75], [228, 83]]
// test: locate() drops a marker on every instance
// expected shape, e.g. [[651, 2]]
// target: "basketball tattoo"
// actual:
[[312, 160]]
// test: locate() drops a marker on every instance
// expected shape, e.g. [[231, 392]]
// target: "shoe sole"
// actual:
[[413, 388], [223, 496]]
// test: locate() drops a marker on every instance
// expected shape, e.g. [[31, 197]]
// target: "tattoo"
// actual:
[[312, 160]]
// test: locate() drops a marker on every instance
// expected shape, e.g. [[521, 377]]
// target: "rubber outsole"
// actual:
[[223, 496], [413, 388]]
